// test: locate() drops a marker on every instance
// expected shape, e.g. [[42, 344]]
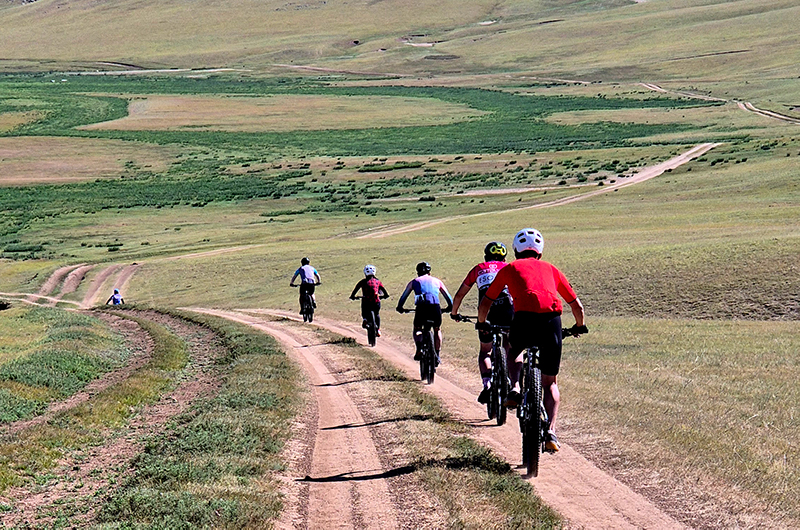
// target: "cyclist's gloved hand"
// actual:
[[455, 317], [399, 310], [352, 298], [578, 330], [483, 326]]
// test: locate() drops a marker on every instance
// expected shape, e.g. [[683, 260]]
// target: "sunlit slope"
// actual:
[[215, 33], [613, 39]]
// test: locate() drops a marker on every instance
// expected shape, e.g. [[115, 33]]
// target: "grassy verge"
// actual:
[[29, 455], [49, 355], [212, 467], [676, 399], [477, 488]]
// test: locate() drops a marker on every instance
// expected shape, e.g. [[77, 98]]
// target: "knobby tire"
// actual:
[[429, 356], [500, 382], [534, 422], [371, 329]]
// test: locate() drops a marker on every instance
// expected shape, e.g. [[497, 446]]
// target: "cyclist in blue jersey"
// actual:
[[426, 290], [115, 299], [309, 279]]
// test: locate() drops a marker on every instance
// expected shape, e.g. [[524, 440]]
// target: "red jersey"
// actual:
[[483, 275], [534, 285], [370, 289]]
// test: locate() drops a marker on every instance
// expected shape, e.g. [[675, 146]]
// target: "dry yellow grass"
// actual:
[[37, 160], [284, 113], [12, 120]]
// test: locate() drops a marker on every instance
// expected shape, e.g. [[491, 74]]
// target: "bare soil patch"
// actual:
[[283, 113], [48, 160]]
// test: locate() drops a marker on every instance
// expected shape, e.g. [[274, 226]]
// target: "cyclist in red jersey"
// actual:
[[535, 286], [500, 314], [372, 292]]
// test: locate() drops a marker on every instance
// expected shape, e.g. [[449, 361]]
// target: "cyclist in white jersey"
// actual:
[[309, 279]]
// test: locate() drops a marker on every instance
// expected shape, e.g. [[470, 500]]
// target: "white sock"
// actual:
[[487, 382]]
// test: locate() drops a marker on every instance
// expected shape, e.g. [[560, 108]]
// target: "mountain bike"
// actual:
[[499, 386], [370, 324], [306, 305], [427, 361], [533, 420]]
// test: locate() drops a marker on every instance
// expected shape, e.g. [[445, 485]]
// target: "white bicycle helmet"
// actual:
[[528, 239], [369, 270]]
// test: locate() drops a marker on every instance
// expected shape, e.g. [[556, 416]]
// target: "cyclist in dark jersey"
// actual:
[[535, 287], [500, 314], [372, 292]]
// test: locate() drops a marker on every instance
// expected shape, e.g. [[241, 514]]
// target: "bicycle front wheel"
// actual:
[[500, 382]]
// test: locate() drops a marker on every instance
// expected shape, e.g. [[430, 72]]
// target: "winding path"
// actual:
[[641, 176]]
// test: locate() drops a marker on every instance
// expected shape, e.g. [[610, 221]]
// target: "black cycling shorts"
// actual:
[[425, 312], [368, 307], [307, 287], [538, 329], [500, 314]]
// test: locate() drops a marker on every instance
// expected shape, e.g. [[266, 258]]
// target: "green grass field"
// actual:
[[690, 280]]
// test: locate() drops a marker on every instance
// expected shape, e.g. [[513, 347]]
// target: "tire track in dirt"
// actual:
[[90, 298], [331, 500], [347, 485], [640, 176], [585, 495], [135, 338], [100, 467], [52, 282], [71, 283], [743, 105]]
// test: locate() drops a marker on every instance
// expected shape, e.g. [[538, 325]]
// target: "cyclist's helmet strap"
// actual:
[[304, 261], [495, 251], [423, 268]]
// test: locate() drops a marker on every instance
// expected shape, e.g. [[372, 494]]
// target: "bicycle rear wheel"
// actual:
[[371, 329], [429, 356], [533, 423]]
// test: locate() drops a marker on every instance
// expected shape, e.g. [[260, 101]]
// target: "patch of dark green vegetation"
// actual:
[[233, 438], [512, 122], [200, 175], [71, 354]]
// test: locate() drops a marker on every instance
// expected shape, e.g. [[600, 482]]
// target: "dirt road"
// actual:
[[345, 488], [641, 176], [582, 493]]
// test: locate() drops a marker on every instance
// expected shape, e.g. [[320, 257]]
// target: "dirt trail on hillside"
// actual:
[[641, 176], [98, 468], [71, 283], [55, 279], [743, 105], [136, 340], [346, 485], [582, 493], [90, 298]]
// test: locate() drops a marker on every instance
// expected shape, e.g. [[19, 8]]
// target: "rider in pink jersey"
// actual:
[[501, 313]]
